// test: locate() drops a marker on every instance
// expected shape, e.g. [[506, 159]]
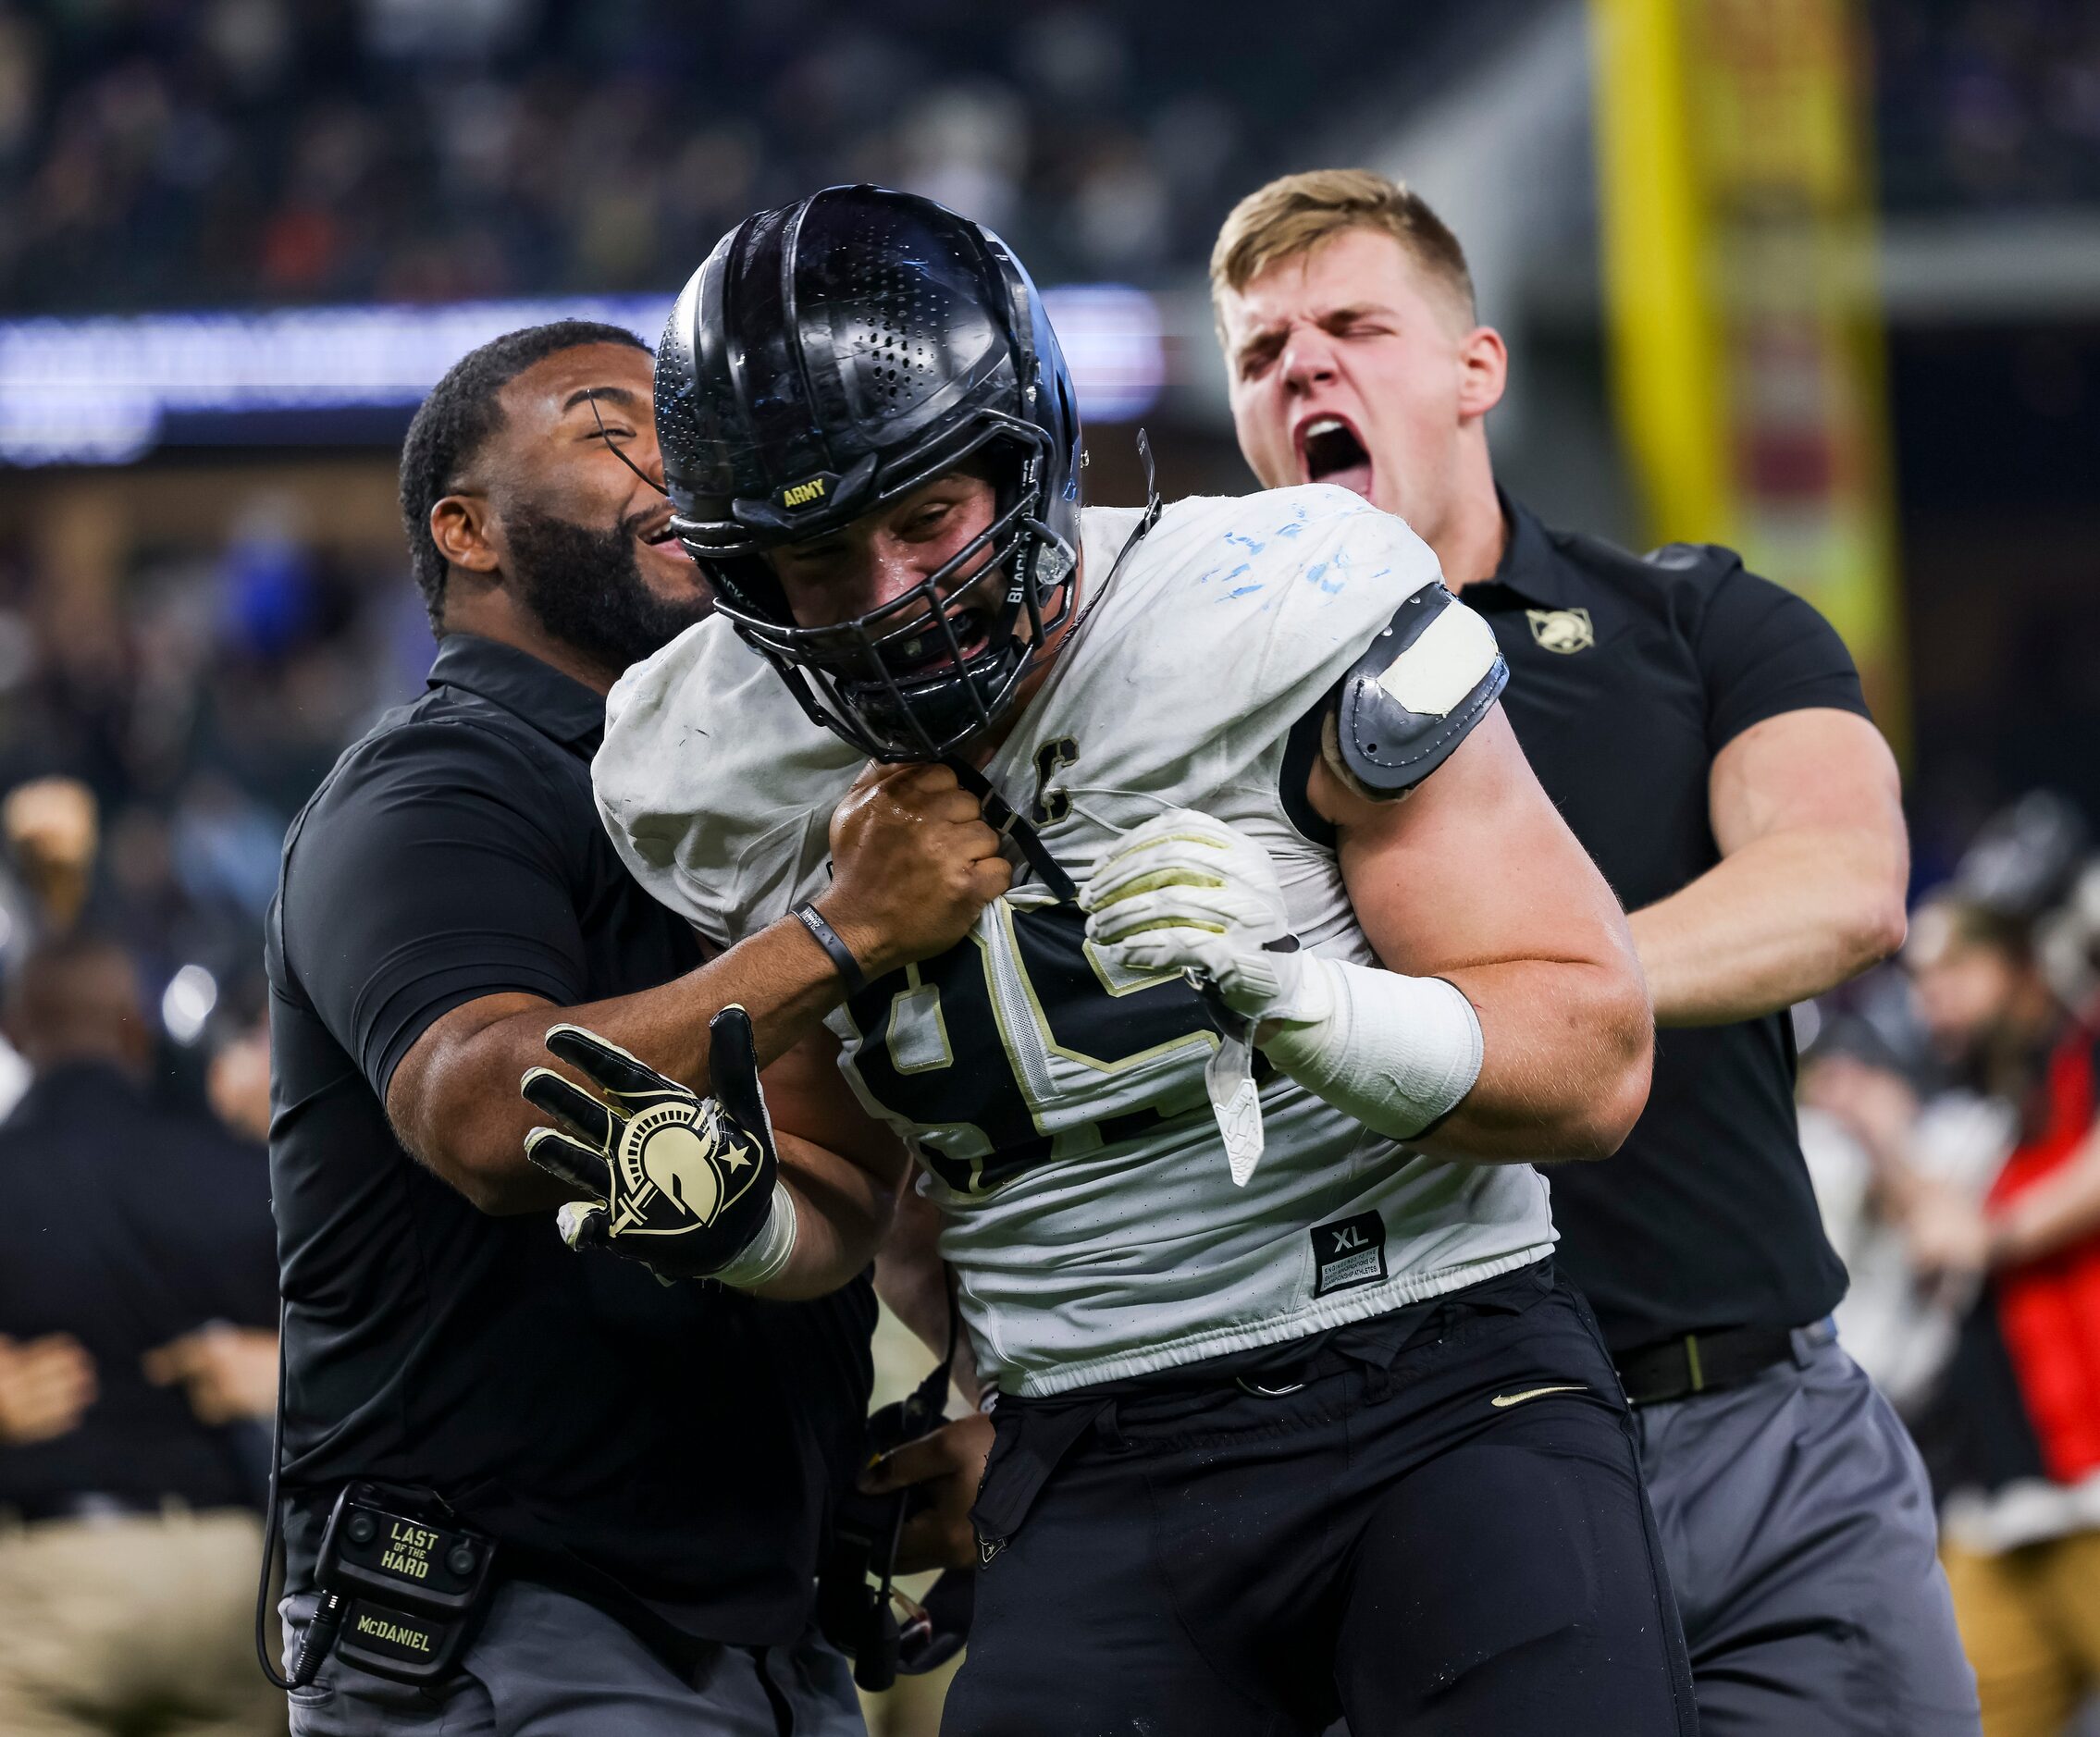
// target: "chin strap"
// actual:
[[1000, 817]]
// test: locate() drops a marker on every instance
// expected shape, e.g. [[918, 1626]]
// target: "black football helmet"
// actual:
[[833, 355]]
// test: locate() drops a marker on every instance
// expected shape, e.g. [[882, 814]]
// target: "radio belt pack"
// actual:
[[400, 1592]]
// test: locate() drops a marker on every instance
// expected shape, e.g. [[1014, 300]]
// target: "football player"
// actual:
[[1226, 1104]]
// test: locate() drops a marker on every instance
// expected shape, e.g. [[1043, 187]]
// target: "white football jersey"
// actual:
[[1058, 1104]]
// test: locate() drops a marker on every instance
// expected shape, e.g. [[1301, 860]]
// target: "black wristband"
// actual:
[[826, 937]]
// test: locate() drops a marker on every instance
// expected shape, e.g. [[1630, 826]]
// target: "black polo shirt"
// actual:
[[668, 1450], [1628, 675], [128, 1224]]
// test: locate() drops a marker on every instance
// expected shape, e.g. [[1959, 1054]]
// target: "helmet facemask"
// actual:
[[827, 359], [875, 680]]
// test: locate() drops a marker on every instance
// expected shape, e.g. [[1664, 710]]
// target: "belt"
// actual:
[[1699, 1362]]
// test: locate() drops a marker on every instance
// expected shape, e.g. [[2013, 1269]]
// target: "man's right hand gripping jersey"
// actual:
[[1058, 1104]]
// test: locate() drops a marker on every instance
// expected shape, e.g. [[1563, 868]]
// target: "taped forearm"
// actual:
[[1398, 1053], [766, 1256], [840, 1214]]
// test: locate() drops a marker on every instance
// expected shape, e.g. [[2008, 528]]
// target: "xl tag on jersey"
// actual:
[[1349, 1253], [1229, 1076]]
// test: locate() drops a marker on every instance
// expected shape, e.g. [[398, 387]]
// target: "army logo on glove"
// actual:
[[683, 1183]]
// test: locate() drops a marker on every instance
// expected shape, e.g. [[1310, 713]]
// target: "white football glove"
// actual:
[[1185, 891]]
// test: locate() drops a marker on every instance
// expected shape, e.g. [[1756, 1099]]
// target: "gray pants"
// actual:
[[1801, 1542], [546, 1665]]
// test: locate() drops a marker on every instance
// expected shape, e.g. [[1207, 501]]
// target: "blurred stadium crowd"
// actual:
[[182, 153], [209, 151], [1986, 104], [198, 718]]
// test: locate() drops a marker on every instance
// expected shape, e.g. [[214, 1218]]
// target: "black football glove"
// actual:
[[682, 1183]]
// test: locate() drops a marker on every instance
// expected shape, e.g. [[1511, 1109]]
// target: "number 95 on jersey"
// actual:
[[1024, 1044]]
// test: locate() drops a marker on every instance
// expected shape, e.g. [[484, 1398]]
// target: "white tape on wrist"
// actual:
[[766, 1255], [1396, 1052]]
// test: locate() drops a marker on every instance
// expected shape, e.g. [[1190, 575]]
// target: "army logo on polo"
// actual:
[[1565, 631]]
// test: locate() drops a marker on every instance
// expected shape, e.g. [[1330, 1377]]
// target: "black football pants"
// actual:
[[1433, 1525]]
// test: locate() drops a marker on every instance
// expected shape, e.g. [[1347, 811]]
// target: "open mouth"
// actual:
[[1330, 450], [926, 653], [662, 536]]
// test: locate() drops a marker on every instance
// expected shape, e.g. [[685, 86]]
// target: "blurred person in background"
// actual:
[[1884, 1132], [138, 1308], [237, 1079], [45, 1384], [2014, 1429], [1703, 732], [51, 833]]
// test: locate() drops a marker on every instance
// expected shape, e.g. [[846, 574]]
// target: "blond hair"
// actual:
[[1295, 213]]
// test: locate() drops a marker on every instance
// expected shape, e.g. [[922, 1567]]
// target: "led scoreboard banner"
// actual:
[[106, 390]]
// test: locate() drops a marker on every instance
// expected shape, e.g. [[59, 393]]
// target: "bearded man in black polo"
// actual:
[[448, 895]]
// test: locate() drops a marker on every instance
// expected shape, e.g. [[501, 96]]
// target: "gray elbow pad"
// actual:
[[1414, 696]]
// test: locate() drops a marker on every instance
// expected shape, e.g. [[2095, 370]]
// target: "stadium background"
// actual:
[[1819, 278]]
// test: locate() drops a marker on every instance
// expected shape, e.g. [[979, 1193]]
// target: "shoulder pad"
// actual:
[[1414, 696]]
